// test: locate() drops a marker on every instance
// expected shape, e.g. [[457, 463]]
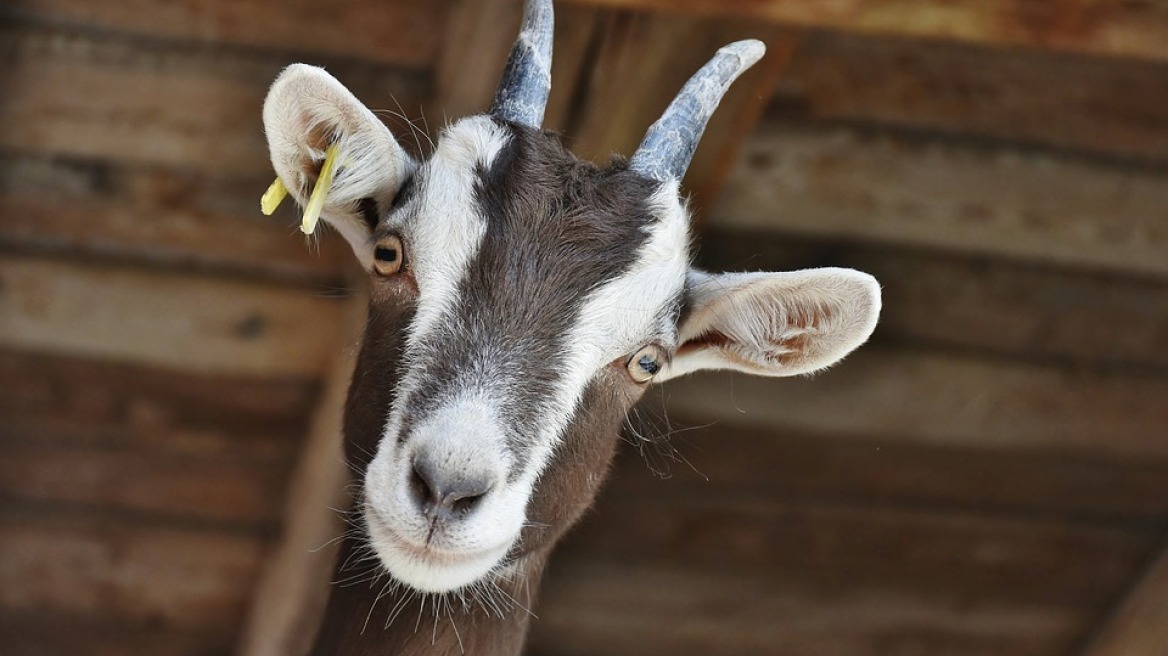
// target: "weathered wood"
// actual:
[[290, 598], [102, 568], [930, 551], [396, 31], [1105, 27], [1140, 623], [641, 63], [992, 306], [58, 634], [478, 37], [238, 491], [608, 608], [1097, 105], [157, 214], [896, 395], [172, 320], [88, 95], [999, 200], [63, 401], [737, 464]]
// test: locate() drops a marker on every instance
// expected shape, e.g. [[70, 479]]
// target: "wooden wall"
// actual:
[[989, 476]]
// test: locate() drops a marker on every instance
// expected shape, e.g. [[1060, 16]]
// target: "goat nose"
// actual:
[[442, 493]]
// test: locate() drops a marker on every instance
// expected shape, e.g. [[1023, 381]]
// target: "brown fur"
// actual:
[[558, 227]]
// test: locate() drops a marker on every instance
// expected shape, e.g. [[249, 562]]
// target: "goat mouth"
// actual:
[[382, 533]]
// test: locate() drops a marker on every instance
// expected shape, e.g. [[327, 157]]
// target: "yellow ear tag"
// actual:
[[320, 191], [273, 197]]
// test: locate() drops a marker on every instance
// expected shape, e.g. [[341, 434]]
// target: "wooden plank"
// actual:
[[792, 467], [289, 601], [938, 194], [219, 490], [594, 608], [1104, 27], [56, 634], [163, 319], [394, 31], [999, 308], [113, 571], [157, 214], [1140, 623], [655, 55], [67, 402], [99, 96], [925, 551], [1096, 105], [897, 395]]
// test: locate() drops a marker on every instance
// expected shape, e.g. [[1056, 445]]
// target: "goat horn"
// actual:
[[527, 80], [670, 143]]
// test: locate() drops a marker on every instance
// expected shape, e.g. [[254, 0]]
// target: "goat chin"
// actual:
[[428, 569]]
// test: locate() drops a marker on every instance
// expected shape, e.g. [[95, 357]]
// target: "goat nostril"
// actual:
[[463, 505], [423, 491]]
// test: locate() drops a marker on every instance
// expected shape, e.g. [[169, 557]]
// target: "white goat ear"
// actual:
[[774, 324], [305, 112]]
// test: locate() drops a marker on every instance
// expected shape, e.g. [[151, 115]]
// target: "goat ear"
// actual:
[[306, 111], [774, 324]]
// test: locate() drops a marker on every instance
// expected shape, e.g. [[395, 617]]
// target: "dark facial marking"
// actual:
[[557, 228]]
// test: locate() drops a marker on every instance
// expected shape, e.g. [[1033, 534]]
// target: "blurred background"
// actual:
[[988, 477]]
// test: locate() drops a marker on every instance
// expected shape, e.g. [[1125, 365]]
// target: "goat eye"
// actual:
[[387, 256], [645, 363]]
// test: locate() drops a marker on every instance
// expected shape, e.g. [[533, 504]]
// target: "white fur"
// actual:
[[777, 324], [304, 101], [445, 232]]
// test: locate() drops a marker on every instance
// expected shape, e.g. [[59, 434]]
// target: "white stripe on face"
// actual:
[[618, 318]]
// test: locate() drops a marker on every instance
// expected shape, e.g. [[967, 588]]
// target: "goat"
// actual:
[[521, 301]]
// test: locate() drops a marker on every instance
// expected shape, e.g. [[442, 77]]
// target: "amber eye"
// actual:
[[645, 363], [387, 256]]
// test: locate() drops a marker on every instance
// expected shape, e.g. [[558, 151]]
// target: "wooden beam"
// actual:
[[1001, 308], [1097, 105], [641, 63], [1002, 200], [1139, 624], [97, 567], [171, 320], [289, 601], [63, 401], [609, 608], [158, 214], [898, 395], [735, 464], [98, 96], [391, 31], [1110, 28]]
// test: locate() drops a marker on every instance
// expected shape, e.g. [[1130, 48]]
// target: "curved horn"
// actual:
[[670, 143], [523, 91]]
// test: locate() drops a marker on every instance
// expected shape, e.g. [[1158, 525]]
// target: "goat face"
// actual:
[[523, 284], [521, 301]]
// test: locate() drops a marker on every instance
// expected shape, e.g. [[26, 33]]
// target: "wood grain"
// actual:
[[1140, 622], [396, 31], [1107, 27], [97, 96], [897, 395], [613, 609], [64, 401], [158, 214], [999, 308], [1000, 200], [1097, 105], [169, 577], [165, 319]]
